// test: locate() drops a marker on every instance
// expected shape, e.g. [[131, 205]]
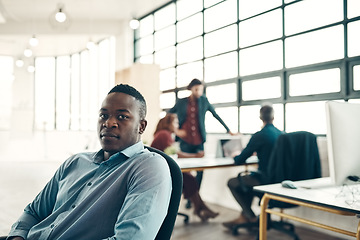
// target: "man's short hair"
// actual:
[[267, 113], [127, 89], [194, 82]]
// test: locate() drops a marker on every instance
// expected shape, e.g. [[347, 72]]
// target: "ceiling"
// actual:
[[89, 19]]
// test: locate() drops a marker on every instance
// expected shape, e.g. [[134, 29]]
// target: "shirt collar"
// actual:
[[128, 152], [133, 149]]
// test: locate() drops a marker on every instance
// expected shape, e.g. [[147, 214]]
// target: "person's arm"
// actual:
[[146, 202], [249, 150], [37, 210], [217, 117]]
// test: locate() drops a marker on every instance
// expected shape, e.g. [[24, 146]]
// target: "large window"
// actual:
[[253, 51], [69, 89]]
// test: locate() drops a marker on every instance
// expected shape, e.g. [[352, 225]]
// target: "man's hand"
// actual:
[[16, 238]]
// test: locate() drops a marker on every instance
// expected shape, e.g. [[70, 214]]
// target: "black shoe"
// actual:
[[188, 204]]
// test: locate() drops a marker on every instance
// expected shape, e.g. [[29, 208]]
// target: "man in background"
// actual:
[[191, 114], [261, 143]]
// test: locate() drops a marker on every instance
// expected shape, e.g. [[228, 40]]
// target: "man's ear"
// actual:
[[143, 124]]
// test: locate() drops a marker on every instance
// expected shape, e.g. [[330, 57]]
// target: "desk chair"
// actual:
[[167, 226], [295, 157]]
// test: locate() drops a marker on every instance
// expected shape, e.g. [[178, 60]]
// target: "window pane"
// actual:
[[146, 26], [93, 94], [187, 72], [62, 93], [228, 114], [315, 47], [260, 29], [353, 8], [190, 27], [167, 100], [354, 39], [225, 36], [250, 118], [261, 88], [165, 58], [187, 7], [149, 59], [356, 76], [75, 92], [226, 62], [262, 58], [317, 82], [220, 15], [144, 46], [354, 100], [84, 90], [190, 50], [208, 3], [165, 16], [184, 93], [167, 79], [165, 37], [249, 8], [311, 9], [222, 93], [306, 116], [106, 68], [45, 93]]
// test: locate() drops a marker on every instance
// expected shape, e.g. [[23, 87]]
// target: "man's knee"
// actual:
[[233, 183]]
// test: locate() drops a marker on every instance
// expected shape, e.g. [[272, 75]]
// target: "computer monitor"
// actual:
[[343, 140], [228, 147]]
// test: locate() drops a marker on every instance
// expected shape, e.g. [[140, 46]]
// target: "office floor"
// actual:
[[21, 181], [213, 230]]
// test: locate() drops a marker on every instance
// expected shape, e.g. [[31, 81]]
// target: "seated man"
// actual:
[[121, 192], [262, 143]]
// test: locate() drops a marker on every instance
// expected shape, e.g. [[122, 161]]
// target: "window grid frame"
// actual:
[[345, 64]]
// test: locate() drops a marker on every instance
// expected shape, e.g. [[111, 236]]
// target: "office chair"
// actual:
[[167, 226], [295, 157]]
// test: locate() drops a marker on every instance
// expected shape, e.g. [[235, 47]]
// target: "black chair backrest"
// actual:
[[167, 226], [295, 157]]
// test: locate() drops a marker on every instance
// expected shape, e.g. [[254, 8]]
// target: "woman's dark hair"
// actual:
[[166, 123]]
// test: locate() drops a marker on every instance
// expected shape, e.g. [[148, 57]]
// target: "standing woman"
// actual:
[[163, 139], [191, 114]]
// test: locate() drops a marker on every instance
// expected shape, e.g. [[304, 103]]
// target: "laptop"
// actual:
[[228, 147]]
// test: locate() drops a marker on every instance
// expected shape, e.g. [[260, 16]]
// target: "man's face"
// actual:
[[197, 90], [119, 124]]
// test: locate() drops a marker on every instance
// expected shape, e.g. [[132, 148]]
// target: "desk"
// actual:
[[199, 164], [315, 194]]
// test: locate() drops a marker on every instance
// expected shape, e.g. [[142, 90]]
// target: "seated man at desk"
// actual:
[[120, 192], [241, 187]]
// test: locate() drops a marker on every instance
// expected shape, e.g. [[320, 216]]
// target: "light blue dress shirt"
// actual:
[[125, 197]]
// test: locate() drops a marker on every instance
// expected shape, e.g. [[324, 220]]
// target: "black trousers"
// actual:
[[241, 188]]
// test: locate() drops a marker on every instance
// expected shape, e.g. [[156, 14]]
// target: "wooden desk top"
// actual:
[[319, 191], [198, 164]]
